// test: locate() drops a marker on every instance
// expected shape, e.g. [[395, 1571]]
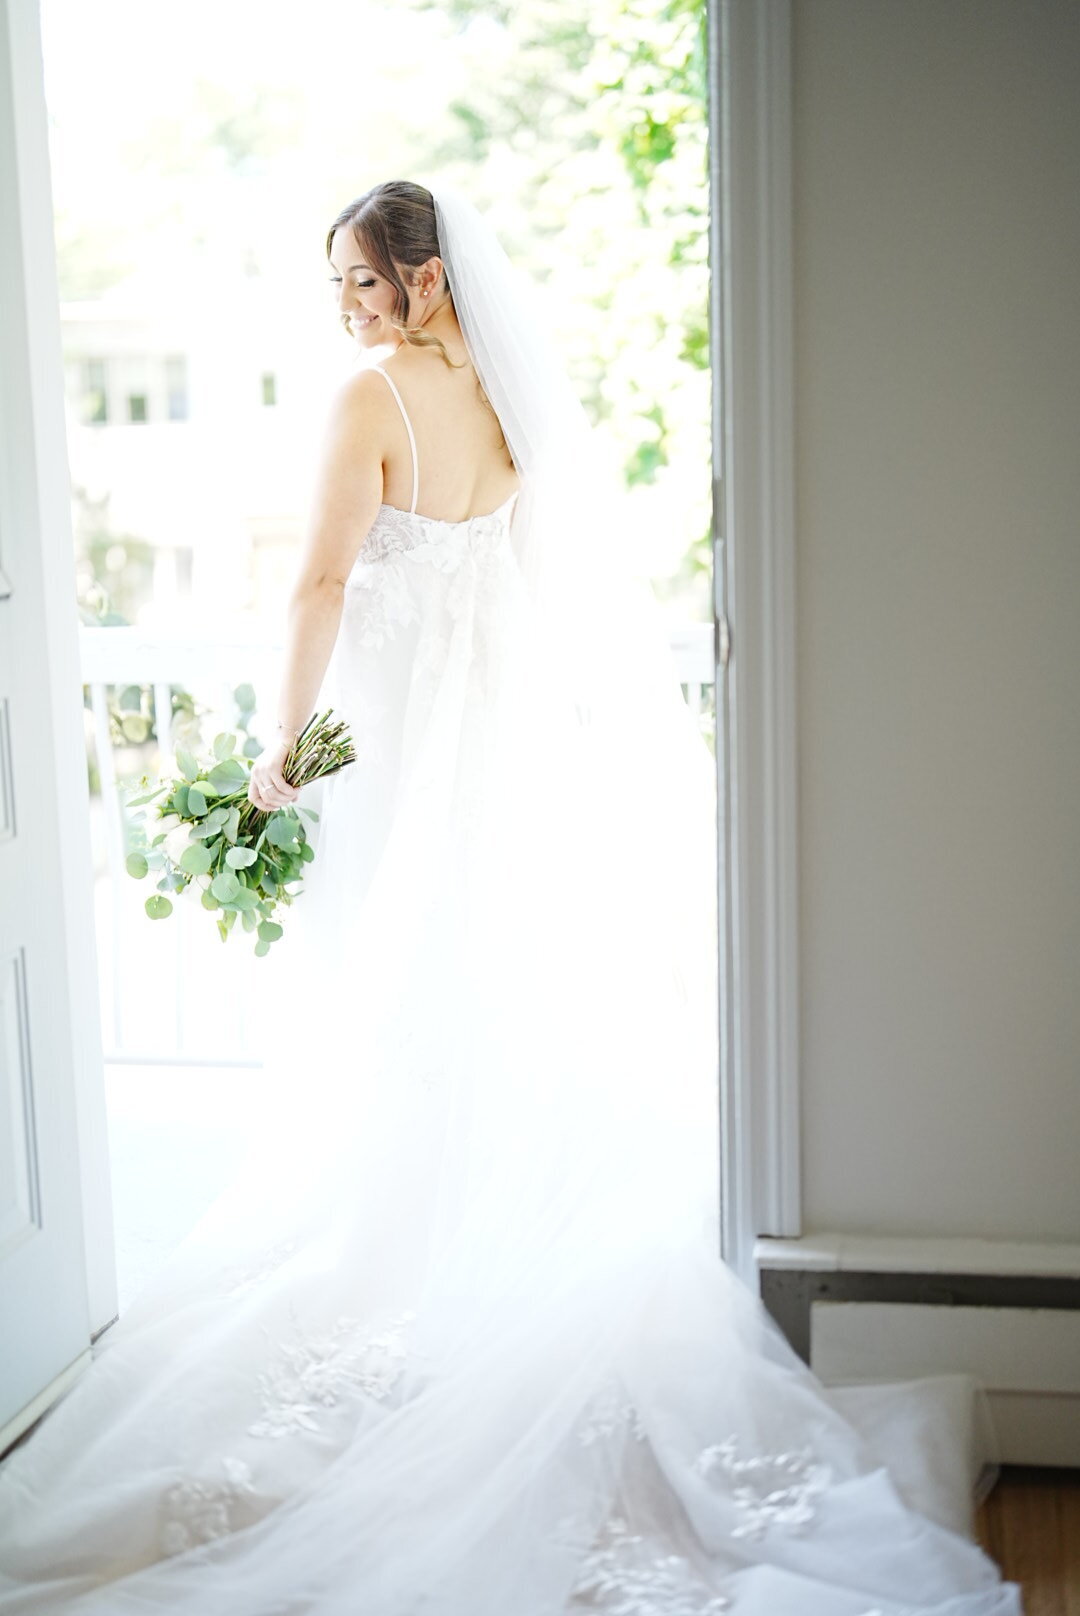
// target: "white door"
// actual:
[[53, 1165]]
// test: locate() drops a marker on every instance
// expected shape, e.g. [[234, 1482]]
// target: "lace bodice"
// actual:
[[395, 530]]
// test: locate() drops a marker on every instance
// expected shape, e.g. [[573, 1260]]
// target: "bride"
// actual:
[[458, 1341]]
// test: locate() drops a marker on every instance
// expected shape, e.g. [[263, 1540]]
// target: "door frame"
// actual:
[[752, 342], [37, 502]]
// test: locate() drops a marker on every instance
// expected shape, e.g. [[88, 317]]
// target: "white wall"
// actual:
[[937, 330]]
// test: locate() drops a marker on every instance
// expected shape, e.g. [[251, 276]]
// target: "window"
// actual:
[[95, 397], [269, 387], [185, 569], [176, 387], [137, 407]]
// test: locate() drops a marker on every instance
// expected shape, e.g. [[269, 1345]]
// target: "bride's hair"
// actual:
[[394, 223]]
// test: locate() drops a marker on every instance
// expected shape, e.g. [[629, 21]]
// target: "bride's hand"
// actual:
[[268, 788]]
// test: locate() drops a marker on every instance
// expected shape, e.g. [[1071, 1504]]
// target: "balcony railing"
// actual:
[[165, 998]]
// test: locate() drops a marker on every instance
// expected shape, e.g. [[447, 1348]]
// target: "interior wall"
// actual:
[[937, 356]]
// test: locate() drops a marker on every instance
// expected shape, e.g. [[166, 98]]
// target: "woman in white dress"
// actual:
[[459, 1340]]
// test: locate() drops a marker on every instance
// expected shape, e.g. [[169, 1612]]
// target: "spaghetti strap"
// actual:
[[412, 439]]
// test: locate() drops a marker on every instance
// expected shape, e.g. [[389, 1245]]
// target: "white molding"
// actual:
[[33, 395], [26, 1417], [755, 574], [824, 1252]]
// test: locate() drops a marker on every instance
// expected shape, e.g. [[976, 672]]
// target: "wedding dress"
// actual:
[[459, 1340]]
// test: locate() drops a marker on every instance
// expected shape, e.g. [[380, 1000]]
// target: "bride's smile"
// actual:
[[367, 300]]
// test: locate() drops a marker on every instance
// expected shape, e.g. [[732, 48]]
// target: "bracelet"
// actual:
[[290, 735]]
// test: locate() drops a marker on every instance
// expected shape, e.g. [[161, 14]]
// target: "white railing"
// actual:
[[163, 999]]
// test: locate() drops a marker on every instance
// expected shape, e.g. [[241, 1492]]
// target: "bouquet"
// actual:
[[207, 836]]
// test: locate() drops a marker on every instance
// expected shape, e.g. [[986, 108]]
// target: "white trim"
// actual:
[[35, 389], [25, 1418], [755, 575], [918, 1254]]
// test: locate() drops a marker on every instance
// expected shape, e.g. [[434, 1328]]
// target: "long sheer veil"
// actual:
[[603, 646]]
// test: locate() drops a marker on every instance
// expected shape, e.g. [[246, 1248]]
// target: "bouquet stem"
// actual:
[[317, 751]]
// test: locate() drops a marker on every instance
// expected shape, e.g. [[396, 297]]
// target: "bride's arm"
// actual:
[[347, 494]]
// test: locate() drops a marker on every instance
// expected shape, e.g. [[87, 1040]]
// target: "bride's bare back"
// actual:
[[465, 468]]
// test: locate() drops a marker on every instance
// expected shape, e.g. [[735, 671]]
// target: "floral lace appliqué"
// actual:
[[623, 1575], [317, 1371], [198, 1511], [609, 1412], [770, 1489], [380, 590], [381, 585]]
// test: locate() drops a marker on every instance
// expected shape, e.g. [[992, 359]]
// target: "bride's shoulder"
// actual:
[[362, 392], [358, 409]]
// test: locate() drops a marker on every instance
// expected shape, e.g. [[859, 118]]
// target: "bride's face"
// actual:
[[364, 296]]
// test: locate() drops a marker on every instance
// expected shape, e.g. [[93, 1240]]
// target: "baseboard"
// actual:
[[864, 1309], [28, 1416]]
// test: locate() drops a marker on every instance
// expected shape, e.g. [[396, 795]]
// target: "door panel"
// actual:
[[50, 1036]]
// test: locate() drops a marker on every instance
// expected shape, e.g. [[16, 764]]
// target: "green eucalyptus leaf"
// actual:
[[232, 824], [251, 747], [244, 697], [225, 886], [310, 813], [196, 802], [240, 857], [130, 699], [245, 899], [179, 801], [196, 860], [208, 901], [270, 931], [136, 865], [227, 775], [262, 948], [224, 745], [136, 727], [157, 907], [281, 830], [186, 764], [307, 852]]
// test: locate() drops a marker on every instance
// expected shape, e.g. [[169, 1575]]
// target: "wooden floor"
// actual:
[[1030, 1525]]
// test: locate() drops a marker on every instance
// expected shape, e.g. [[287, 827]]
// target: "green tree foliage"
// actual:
[[589, 126]]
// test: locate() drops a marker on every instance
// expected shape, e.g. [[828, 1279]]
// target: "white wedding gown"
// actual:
[[458, 1341]]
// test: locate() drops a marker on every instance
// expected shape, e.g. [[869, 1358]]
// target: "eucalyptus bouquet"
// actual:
[[205, 836]]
